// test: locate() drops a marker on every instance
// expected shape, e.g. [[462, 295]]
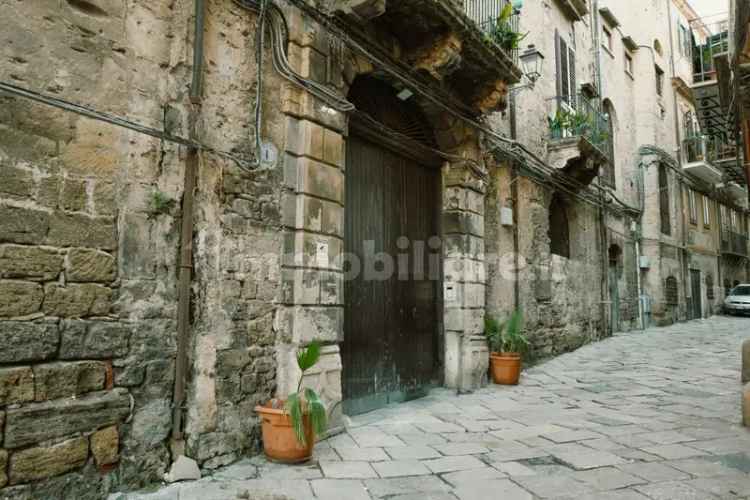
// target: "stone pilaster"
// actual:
[[466, 354]]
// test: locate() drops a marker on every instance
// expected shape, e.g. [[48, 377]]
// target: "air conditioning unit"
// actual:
[[644, 262]]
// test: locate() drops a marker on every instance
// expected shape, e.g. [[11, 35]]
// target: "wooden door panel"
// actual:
[[390, 323]]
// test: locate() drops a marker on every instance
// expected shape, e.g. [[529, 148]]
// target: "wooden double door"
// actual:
[[392, 282]]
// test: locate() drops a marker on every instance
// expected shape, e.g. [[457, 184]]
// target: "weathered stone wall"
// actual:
[[89, 240]]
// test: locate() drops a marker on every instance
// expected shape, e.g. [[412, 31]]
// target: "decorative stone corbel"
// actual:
[[365, 9], [491, 97], [440, 57]]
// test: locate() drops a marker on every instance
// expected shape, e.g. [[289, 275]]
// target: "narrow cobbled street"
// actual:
[[644, 415]]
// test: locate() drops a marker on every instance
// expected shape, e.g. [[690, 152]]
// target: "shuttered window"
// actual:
[[566, 70], [666, 224]]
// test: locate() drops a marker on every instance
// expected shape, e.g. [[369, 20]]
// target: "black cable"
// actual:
[[118, 121]]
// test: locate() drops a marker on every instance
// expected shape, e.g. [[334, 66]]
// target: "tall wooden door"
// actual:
[[390, 345], [697, 302]]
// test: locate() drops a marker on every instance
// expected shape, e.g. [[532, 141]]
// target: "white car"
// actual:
[[738, 300]]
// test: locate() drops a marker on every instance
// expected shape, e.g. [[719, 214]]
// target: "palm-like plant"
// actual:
[[305, 403], [506, 336], [503, 33]]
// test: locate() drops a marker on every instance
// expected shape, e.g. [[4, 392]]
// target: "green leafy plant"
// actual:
[[506, 336], [160, 203], [503, 33], [306, 403]]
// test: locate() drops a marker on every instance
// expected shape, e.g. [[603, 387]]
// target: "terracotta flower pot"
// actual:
[[505, 367], [279, 440]]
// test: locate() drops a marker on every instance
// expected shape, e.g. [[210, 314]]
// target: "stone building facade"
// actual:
[[92, 212], [658, 264], [117, 138]]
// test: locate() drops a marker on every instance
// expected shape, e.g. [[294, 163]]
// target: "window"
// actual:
[[710, 287], [607, 40], [566, 70], [559, 234], [734, 220], [659, 81], [629, 64], [706, 211], [666, 222], [608, 170], [693, 207], [685, 41]]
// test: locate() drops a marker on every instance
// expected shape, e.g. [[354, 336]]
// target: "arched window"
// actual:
[[657, 48], [559, 232], [671, 291]]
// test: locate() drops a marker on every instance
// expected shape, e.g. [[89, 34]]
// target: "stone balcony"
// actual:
[[440, 42]]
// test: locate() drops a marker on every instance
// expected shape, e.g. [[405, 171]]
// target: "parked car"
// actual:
[[738, 300]]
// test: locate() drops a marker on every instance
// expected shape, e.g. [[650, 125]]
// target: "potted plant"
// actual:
[[503, 33], [290, 426], [507, 345]]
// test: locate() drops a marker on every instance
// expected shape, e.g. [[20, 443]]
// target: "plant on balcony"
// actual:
[[503, 33]]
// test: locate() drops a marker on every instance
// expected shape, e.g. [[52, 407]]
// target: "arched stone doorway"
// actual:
[[390, 350]]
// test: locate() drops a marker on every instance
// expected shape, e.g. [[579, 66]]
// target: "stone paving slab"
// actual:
[[648, 415]]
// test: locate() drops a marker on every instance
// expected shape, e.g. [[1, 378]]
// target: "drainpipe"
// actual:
[[603, 291], [186, 237], [678, 139], [638, 236], [514, 201]]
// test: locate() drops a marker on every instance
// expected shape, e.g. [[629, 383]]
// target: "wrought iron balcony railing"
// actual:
[[734, 243], [504, 32], [579, 116], [708, 149]]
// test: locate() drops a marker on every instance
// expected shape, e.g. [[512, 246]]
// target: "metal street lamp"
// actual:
[[531, 61]]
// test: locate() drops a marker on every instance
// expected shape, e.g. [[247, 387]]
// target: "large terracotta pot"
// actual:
[[279, 441], [505, 367]]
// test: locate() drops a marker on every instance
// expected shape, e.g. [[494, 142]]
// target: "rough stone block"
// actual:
[[94, 339], [42, 462], [104, 198], [305, 138], [77, 230], [64, 380], [90, 266], [42, 421], [16, 183], [22, 225], [31, 263], [105, 446], [16, 385], [19, 298], [320, 216], [3, 468], [303, 324], [73, 195], [312, 177], [77, 300], [333, 148], [24, 341], [746, 361]]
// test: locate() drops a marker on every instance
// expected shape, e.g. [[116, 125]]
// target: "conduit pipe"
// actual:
[[186, 234]]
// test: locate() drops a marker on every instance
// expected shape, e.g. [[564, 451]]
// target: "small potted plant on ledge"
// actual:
[[290, 426], [507, 345]]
